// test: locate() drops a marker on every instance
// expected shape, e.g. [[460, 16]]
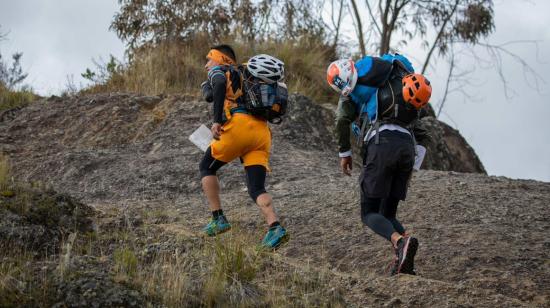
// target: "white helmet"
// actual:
[[266, 68], [342, 76]]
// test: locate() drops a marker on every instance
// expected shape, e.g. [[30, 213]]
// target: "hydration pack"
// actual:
[[266, 100], [392, 108]]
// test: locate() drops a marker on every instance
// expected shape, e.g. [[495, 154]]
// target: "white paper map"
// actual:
[[201, 137], [419, 158]]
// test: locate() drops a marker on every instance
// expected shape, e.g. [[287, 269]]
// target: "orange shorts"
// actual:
[[244, 136]]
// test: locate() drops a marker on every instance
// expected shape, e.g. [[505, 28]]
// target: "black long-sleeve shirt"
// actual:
[[213, 90]]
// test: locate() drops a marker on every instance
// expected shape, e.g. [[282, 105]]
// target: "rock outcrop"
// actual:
[[38, 221], [448, 150]]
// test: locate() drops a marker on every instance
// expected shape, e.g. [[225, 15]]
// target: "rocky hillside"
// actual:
[[482, 239], [118, 146]]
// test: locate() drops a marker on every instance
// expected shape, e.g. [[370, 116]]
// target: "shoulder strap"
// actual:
[[216, 71]]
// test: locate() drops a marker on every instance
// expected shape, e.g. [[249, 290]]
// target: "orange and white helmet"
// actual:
[[342, 76]]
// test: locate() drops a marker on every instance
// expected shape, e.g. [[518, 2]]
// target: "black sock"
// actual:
[[216, 214], [275, 224]]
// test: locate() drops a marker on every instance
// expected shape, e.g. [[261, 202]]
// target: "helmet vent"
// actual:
[[266, 68]]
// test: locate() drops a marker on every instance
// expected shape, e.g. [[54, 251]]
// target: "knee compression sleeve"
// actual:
[[255, 180], [209, 165]]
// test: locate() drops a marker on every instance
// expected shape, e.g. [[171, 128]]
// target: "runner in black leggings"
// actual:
[[381, 92]]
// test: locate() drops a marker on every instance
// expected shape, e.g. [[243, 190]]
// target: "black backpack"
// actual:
[[266, 100], [392, 108]]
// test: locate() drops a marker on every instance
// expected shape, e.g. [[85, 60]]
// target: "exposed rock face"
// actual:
[[448, 150], [37, 221], [483, 240]]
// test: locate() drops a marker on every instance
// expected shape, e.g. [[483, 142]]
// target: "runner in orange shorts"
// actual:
[[237, 134]]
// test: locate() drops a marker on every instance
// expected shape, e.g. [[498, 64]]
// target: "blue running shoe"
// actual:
[[274, 237], [217, 226]]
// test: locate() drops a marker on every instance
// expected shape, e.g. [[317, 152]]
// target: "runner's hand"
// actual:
[[216, 130], [346, 165]]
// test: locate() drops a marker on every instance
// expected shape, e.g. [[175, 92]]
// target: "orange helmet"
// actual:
[[416, 90]]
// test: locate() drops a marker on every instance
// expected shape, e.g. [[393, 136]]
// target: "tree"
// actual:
[[11, 76], [104, 71], [438, 23], [141, 22], [441, 25]]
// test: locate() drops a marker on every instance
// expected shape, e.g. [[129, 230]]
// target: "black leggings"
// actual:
[[255, 175], [380, 216]]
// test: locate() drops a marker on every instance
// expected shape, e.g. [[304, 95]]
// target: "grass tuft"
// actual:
[[126, 263], [13, 99], [5, 178]]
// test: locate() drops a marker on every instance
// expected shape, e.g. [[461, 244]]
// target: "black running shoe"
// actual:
[[406, 249]]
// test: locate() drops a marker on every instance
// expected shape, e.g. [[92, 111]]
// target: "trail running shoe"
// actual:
[[406, 250], [393, 267], [274, 237], [217, 226]]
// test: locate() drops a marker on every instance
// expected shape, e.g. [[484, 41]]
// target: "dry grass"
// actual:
[[229, 272], [20, 285], [179, 67], [305, 61], [167, 68], [169, 266], [12, 99]]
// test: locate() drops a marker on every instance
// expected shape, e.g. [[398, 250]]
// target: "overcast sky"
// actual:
[[59, 39]]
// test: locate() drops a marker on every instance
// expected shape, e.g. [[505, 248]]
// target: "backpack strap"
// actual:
[[402, 66], [377, 136], [364, 123]]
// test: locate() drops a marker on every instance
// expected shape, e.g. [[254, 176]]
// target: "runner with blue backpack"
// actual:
[[244, 99], [381, 100]]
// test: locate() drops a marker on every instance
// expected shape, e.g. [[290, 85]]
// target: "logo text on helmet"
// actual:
[[337, 81]]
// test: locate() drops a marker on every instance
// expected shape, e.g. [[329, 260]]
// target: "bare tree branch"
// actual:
[[496, 52], [449, 76], [438, 37], [337, 24], [373, 18], [359, 27]]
